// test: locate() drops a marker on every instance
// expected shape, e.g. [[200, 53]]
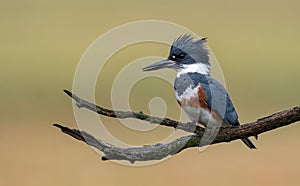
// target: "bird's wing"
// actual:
[[221, 102], [218, 99]]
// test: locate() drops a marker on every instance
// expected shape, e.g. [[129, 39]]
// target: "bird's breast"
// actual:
[[194, 103], [192, 97]]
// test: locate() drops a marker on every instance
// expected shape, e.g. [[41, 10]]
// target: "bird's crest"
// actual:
[[188, 43], [196, 48]]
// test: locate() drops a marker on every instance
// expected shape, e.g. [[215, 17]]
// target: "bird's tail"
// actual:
[[249, 143]]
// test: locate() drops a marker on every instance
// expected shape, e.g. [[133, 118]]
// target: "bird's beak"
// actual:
[[165, 63]]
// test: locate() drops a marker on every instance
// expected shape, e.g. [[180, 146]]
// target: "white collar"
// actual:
[[197, 67]]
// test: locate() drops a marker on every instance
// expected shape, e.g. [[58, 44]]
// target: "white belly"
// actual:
[[197, 115]]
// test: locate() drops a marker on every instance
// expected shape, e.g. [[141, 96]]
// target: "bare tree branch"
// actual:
[[159, 151], [188, 127], [147, 152]]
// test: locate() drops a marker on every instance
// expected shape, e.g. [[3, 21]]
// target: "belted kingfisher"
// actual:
[[204, 99]]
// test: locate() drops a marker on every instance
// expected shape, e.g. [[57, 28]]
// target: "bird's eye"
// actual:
[[178, 57], [181, 56]]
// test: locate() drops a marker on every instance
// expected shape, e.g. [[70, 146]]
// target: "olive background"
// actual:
[[256, 42]]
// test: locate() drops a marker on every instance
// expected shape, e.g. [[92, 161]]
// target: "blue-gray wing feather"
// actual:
[[217, 100]]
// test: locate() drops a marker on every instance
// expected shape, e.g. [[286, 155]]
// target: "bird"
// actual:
[[204, 100]]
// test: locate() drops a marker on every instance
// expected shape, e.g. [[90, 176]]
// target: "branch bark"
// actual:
[[159, 151], [80, 103]]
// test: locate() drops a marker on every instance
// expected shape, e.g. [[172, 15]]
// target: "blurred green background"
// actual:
[[256, 42]]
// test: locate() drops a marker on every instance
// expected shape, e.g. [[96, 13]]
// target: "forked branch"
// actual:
[[159, 151]]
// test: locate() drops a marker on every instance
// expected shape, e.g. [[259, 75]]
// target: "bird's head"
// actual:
[[186, 55]]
